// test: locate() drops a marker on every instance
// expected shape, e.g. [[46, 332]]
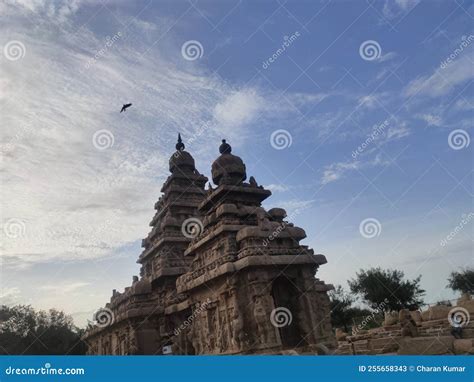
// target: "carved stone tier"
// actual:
[[245, 194], [188, 282]]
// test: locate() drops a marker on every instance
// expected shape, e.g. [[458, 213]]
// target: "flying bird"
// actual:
[[125, 106]]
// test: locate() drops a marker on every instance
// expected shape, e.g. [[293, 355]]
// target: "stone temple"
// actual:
[[219, 274]]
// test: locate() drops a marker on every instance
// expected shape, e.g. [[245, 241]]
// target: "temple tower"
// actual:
[[251, 284], [135, 322], [219, 274]]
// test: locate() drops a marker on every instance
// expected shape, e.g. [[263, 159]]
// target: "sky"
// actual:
[[357, 115]]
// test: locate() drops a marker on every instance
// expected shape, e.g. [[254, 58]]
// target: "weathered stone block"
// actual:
[[416, 316], [390, 318], [439, 312], [463, 346], [468, 305], [426, 345]]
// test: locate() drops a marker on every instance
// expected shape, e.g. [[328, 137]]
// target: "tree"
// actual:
[[462, 281], [343, 314], [341, 308], [26, 331], [385, 289]]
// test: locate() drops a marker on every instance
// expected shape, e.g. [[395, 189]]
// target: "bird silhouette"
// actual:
[[125, 106]]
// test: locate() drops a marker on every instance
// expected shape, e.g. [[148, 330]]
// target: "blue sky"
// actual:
[[262, 75]]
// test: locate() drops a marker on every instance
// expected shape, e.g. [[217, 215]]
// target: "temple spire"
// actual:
[[180, 144]]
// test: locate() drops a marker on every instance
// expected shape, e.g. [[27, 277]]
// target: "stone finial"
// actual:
[[180, 144], [225, 148]]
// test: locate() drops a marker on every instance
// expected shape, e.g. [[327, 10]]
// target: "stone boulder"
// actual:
[[407, 324], [464, 297], [438, 312], [425, 315], [340, 335], [416, 316], [467, 303], [390, 318], [462, 346]]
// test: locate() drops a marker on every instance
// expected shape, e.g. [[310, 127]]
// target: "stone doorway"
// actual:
[[284, 294]]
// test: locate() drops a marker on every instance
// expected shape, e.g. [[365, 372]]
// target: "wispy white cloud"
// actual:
[[338, 170], [9, 295], [294, 207], [442, 81], [335, 171], [277, 187], [463, 104], [77, 202], [395, 8], [387, 57], [431, 119], [397, 131]]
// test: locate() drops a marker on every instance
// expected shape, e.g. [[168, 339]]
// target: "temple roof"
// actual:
[[228, 168], [181, 159]]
